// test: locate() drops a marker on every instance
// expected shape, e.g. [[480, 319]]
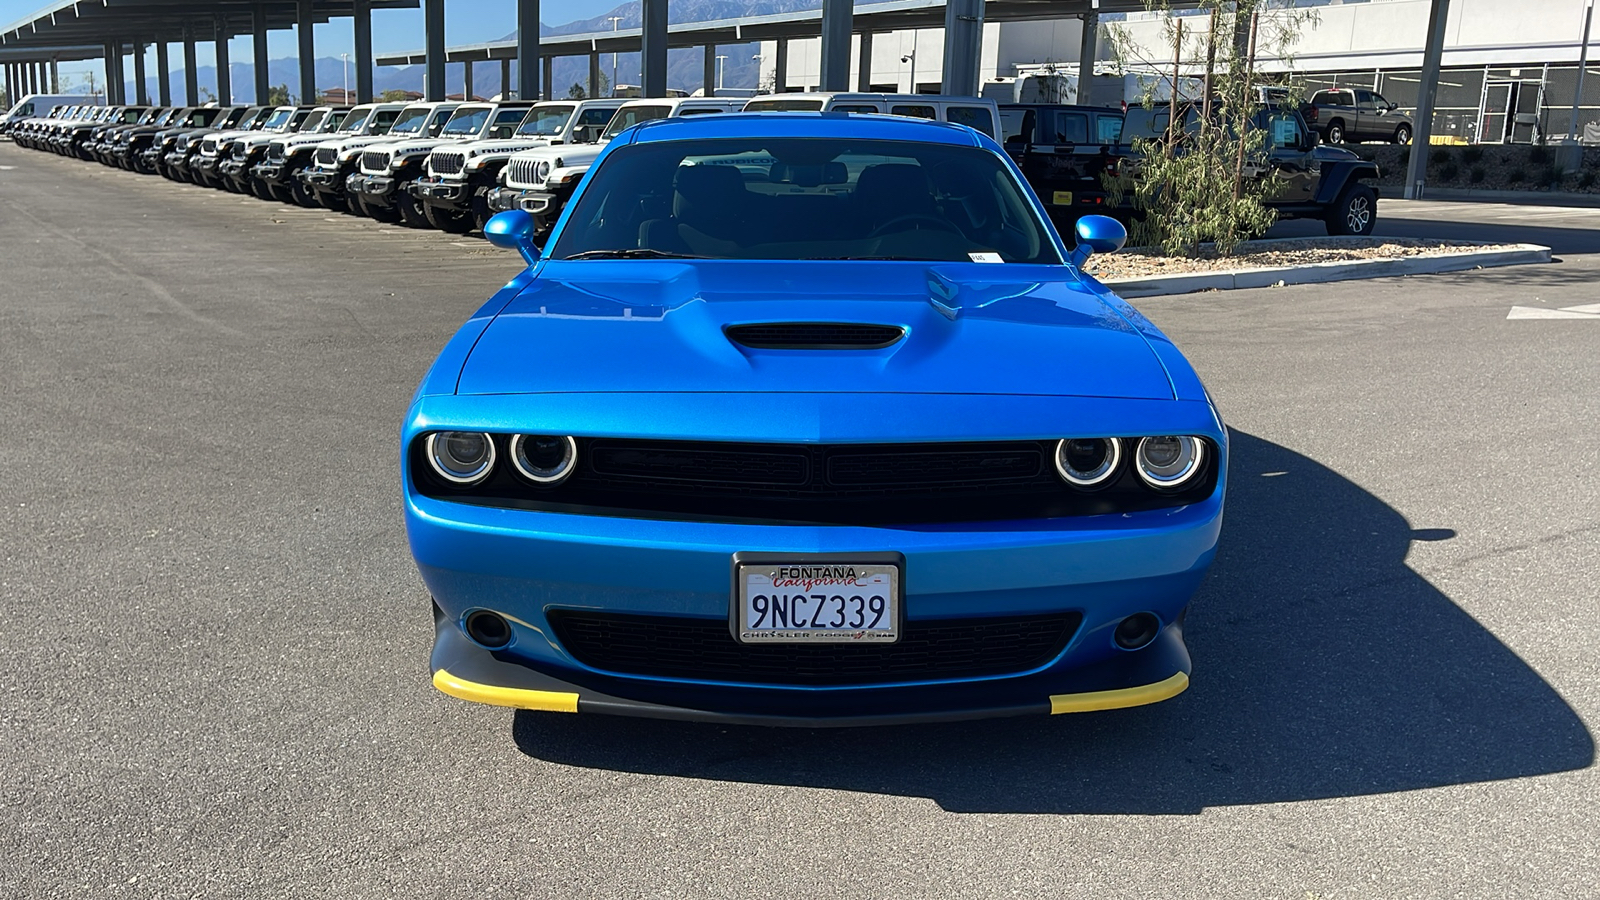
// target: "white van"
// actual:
[[34, 105], [973, 112]]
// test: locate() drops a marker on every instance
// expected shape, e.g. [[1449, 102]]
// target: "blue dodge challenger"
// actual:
[[810, 419]]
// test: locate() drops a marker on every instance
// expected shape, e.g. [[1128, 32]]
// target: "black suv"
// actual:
[[1062, 151], [1352, 114]]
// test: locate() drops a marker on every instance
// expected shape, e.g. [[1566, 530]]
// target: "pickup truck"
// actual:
[[335, 160], [388, 168], [1348, 114], [455, 190], [540, 181], [1063, 150], [1318, 181]]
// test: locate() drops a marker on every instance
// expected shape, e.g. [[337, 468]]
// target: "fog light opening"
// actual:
[[1137, 631], [489, 629]]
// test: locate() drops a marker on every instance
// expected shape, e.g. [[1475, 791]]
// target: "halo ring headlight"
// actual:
[[461, 457], [1169, 462], [544, 458], [1088, 462]]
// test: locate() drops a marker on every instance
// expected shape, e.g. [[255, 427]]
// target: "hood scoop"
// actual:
[[814, 335]]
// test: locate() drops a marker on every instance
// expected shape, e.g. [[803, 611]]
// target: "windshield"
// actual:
[[633, 115], [330, 123], [410, 121], [311, 122], [466, 121], [777, 105], [278, 118], [353, 122], [546, 120], [805, 198]]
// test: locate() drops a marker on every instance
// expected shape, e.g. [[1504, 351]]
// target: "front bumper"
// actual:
[[377, 189], [439, 192], [271, 173], [538, 203]]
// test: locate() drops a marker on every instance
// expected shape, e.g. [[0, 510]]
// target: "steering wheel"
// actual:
[[941, 224]]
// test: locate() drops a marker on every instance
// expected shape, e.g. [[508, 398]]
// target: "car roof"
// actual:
[[804, 125]]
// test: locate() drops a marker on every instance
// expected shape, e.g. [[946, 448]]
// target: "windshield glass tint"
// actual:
[[278, 118], [331, 123], [633, 115], [410, 121], [546, 120], [777, 105], [811, 198], [311, 122], [467, 121], [355, 120]]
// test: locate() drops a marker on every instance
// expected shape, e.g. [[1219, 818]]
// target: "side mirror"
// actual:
[[1097, 234], [514, 230]]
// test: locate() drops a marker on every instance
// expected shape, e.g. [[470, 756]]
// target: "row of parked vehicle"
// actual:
[[449, 165]]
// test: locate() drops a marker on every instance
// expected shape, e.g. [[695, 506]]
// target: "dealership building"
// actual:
[[1510, 70]]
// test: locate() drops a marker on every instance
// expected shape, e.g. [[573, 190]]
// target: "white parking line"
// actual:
[[1588, 311]]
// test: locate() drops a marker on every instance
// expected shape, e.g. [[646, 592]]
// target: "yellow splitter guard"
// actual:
[[809, 602]]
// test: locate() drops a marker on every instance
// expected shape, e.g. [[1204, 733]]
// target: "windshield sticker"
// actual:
[[985, 257]]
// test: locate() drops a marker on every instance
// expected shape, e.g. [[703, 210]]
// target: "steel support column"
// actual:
[[224, 65], [163, 74], [139, 89], [1427, 92], [653, 49], [527, 49], [708, 71], [963, 45], [191, 77], [11, 87], [305, 31], [259, 39], [467, 91], [1088, 49], [837, 16], [594, 74], [111, 67], [864, 66], [505, 78], [547, 68], [362, 10], [55, 76], [121, 73], [780, 67], [433, 40]]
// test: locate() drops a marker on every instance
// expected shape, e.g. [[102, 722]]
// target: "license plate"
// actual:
[[795, 600], [1062, 198]]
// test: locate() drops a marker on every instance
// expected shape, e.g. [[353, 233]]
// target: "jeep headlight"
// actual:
[[542, 171]]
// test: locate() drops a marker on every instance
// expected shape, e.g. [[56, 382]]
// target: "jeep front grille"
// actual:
[[275, 151], [375, 163], [447, 162], [327, 156], [522, 173]]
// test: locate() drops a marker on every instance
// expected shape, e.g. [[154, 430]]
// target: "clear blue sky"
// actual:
[[466, 22]]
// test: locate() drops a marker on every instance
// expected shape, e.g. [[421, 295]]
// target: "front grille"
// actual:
[[327, 156], [522, 172], [208, 146], [447, 162], [817, 484], [928, 649], [814, 335], [376, 163], [239, 151], [275, 151]]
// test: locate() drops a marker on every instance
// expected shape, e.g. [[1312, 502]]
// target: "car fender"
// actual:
[[1336, 175]]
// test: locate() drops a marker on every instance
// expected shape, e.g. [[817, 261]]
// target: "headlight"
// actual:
[[1168, 463], [544, 458], [542, 171], [1088, 462], [462, 457]]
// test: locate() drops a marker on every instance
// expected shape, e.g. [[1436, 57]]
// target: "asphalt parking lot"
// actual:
[[215, 644]]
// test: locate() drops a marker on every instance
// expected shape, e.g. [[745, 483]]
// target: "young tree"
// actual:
[[1199, 175], [278, 95], [393, 97]]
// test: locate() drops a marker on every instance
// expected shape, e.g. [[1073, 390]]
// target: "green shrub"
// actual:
[[1438, 157], [1448, 172], [1472, 155], [1476, 175], [1538, 154], [1516, 176]]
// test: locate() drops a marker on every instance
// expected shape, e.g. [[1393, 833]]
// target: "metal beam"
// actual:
[[224, 64], [433, 34], [1427, 92], [308, 51], [362, 10], [527, 49], [258, 24], [191, 75], [780, 67], [139, 89], [11, 89], [111, 81], [546, 88], [836, 19], [163, 74], [594, 74], [467, 91], [708, 71], [1088, 49], [653, 49], [505, 78], [963, 44], [55, 76], [864, 66]]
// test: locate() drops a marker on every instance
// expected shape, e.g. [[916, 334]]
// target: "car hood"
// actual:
[[302, 140], [503, 145], [419, 145], [358, 143], [657, 326]]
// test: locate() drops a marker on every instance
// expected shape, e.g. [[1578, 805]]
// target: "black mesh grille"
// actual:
[[447, 162], [675, 647], [327, 156], [814, 335], [375, 162]]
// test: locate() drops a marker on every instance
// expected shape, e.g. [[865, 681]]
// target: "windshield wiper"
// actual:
[[632, 254]]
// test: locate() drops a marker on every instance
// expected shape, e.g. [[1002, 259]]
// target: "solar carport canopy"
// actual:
[[68, 22]]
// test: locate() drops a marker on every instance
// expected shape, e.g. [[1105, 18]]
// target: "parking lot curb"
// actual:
[[1317, 273]]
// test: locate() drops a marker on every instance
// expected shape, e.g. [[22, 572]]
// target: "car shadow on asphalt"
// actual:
[[1324, 667]]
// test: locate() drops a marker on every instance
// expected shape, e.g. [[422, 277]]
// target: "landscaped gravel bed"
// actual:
[[1144, 263]]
